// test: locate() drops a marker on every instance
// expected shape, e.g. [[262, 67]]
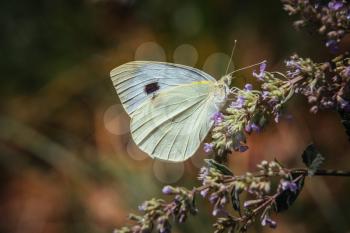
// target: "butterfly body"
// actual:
[[170, 105]]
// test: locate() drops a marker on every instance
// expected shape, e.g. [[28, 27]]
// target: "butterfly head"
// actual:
[[226, 80], [222, 91]]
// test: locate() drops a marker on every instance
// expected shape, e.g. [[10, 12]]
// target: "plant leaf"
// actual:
[[235, 200], [312, 159], [288, 197], [218, 166]]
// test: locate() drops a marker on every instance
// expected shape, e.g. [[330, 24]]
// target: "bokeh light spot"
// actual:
[[186, 54], [150, 51], [167, 172], [116, 121], [134, 152], [216, 64]]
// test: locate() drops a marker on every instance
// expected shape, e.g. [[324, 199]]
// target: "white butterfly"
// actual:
[[170, 105]]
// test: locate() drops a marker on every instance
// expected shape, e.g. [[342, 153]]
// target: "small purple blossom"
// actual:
[[213, 198], [164, 230], [208, 147], [268, 222], [335, 5], [142, 207], [293, 74], [218, 211], [255, 127], [248, 128], [261, 74], [203, 173], [277, 117], [182, 218], [218, 117], [332, 45], [168, 190], [345, 105], [248, 87], [290, 63], [238, 104], [204, 192], [252, 127], [265, 95], [273, 101], [242, 148], [288, 185]]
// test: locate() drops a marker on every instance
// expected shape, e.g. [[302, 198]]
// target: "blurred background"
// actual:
[[67, 163]]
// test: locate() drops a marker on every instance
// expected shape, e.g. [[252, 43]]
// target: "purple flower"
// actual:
[[291, 74], [143, 206], [277, 117], [248, 128], [218, 117], [182, 218], [208, 147], [248, 87], [268, 222], [213, 198], [347, 71], [204, 192], [242, 148], [345, 105], [288, 185], [290, 63], [203, 173], [219, 211], [335, 5], [168, 190], [255, 127], [332, 45], [261, 74], [238, 103], [265, 94], [252, 128], [164, 230]]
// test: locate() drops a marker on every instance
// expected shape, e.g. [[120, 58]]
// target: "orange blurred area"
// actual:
[[68, 163]]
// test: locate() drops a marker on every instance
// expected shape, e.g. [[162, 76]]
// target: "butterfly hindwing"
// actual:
[[172, 125]]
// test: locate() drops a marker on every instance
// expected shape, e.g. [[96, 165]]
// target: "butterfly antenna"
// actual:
[[247, 67], [233, 50]]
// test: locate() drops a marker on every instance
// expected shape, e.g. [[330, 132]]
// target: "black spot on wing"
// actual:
[[151, 88]]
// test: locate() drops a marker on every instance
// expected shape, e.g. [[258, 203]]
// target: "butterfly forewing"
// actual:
[[131, 80]]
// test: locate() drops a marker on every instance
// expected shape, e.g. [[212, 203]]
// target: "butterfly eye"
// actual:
[[151, 87]]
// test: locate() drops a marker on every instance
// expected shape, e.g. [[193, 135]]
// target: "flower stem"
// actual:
[[332, 173], [322, 172]]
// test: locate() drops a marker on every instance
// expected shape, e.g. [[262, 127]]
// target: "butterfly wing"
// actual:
[[170, 106], [173, 124], [131, 79]]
